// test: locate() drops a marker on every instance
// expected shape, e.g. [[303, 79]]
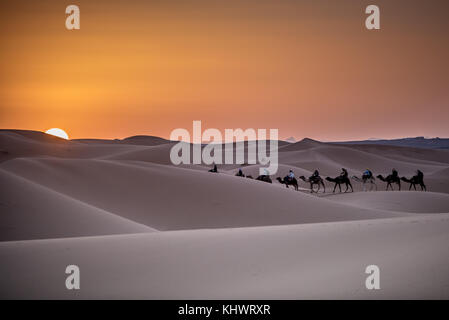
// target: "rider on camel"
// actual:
[[367, 175], [394, 173], [290, 175], [315, 175]]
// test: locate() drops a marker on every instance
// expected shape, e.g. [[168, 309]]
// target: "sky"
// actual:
[[308, 68]]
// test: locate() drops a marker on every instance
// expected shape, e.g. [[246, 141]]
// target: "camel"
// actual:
[[292, 182], [318, 181], [415, 180], [339, 181], [390, 179], [264, 178], [365, 181]]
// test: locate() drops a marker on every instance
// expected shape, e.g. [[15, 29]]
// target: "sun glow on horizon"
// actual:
[[58, 133]]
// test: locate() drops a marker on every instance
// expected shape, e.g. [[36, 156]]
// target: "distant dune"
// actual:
[[134, 140], [418, 142], [140, 227]]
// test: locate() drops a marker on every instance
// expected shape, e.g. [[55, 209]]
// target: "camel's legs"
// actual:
[[349, 185]]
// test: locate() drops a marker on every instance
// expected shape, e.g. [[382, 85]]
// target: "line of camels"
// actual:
[[417, 180]]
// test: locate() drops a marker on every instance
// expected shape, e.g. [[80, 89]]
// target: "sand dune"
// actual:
[[304, 144], [155, 154], [31, 211], [318, 261], [405, 201], [407, 153], [330, 160], [442, 174], [134, 140], [140, 227], [18, 145], [168, 198]]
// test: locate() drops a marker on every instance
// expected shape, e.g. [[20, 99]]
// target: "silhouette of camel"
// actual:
[[314, 181], [264, 179], [389, 180], [415, 180], [292, 182], [364, 182], [339, 181]]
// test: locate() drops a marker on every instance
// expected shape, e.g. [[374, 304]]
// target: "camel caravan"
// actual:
[[316, 182]]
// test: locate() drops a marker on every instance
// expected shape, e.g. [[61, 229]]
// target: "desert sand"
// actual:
[[140, 227]]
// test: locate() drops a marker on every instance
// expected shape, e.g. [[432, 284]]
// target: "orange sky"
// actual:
[[308, 68]]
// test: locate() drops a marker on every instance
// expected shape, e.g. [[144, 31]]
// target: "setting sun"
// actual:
[[58, 133]]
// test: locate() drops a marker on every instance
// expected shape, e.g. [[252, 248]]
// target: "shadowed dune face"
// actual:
[[32, 211], [125, 203]]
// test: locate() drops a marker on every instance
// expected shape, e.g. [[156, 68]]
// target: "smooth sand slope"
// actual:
[[139, 227], [405, 201], [326, 260], [31, 211]]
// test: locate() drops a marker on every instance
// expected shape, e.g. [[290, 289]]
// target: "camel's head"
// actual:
[[329, 179], [279, 179], [380, 176]]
